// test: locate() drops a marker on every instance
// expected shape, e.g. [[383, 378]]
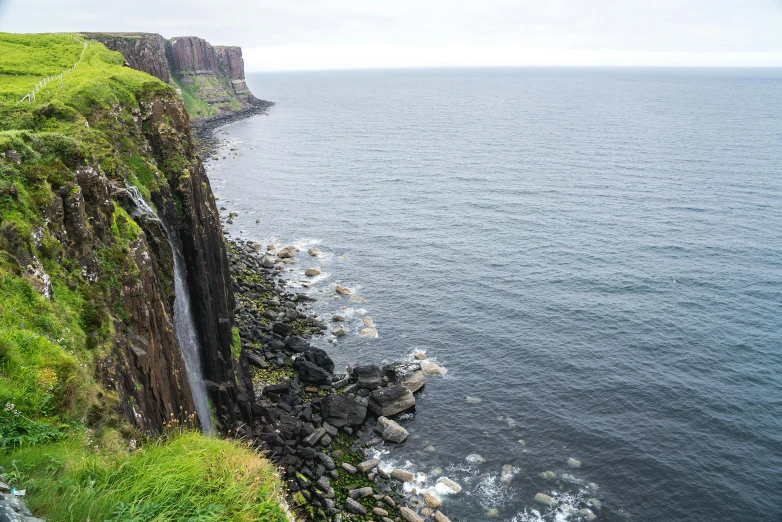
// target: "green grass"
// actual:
[[196, 107], [186, 476]]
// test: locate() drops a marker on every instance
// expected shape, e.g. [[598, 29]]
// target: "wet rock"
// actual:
[[472, 400], [450, 484], [287, 252], [432, 500], [401, 475], [419, 355], [410, 515], [312, 272], [545, 500], [367, 465], [587, 514], [343, 290], [391, 431], [439, 517], [431, 368], [314, 252], [357, 299], [390, 401], [337, 318], [475, 458], [368, 322], [339, 331], [369, 332], [368, 376], [351, 506], [506, 475], [410, 375], [341, 411], [573, 463]]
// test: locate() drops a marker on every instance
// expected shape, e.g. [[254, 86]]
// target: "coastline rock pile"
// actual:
[[321, 427]]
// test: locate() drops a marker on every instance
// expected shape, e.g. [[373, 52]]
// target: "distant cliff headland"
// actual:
[[210, 78]]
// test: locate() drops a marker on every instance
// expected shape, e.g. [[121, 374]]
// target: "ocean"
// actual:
[[595, 255]]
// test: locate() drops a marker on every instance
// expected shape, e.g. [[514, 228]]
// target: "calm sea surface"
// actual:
[[594, 255]]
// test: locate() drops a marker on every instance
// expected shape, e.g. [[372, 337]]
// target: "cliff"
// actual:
[[210, 79], [79, 170]]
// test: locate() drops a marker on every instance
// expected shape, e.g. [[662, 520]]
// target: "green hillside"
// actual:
[[61, 435]]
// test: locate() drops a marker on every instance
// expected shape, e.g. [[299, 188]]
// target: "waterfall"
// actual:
[[184, 322]]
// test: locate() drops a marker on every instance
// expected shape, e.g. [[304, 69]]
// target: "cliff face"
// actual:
[[76, 174], [197, 220], [230, 61], [143, 51], [210, 79], [191, 54]]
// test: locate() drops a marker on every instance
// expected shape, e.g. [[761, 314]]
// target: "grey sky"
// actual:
[[307, 34]]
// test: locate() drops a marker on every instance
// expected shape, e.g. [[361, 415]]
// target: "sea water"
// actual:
[[595, 255]]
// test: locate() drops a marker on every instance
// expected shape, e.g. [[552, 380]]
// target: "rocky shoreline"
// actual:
[[207, 141], [322, 426]]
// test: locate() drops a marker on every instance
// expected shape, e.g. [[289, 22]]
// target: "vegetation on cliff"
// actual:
[[88, 360]]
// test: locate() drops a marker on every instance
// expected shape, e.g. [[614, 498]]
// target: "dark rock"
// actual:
[[297, 344], [310, 373], [351, 506], [390, 401], [314, 437], [341, 411], [283, 329], [368, 376], [408, 374], [319, 357]]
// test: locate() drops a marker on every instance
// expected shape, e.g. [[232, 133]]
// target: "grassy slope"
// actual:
[[59, 435]]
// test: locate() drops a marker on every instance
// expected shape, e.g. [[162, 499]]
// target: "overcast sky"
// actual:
[[323, 34]]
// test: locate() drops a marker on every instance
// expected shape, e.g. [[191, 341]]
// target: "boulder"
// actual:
[[506, 475], [360, 493], [337, 318], [390, 401], [339, 331], [268, 262], [368, 322], [368, 376], [311, 373], [312, 272], [573, 463], [367, 465], [401, 475], [369, 332], [450, 484], [320, 358], [342, 290], [410, 515], [432, 500], [287, 252], [314, 252], [432, 368], [351, 506], [282, 329], [419, 355], [297, 344], [341, 411], [410, 375], [350, 469], [544, 499], [439, 517], [391, 431]]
